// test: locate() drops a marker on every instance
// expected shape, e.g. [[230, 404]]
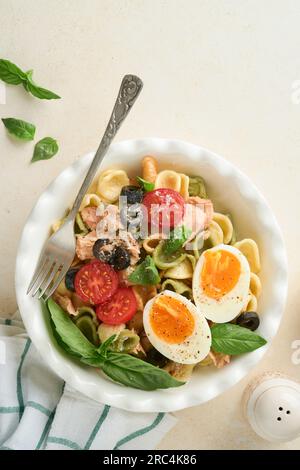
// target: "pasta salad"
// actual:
[[160, 284]]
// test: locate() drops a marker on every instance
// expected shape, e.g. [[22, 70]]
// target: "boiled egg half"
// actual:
[[176, 328], [221, 283]]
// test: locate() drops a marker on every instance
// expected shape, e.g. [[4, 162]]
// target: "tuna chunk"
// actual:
[[84, 245], [89, 217]]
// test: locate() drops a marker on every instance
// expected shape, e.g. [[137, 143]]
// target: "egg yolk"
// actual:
[[171, 320], [220, 273]]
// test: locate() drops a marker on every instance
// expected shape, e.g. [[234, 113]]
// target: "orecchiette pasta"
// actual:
[[183, 270], [179, 371], [255, 285], [150, 243], [249, 248], [110, 183], [90, 199], [184, 186], [168, 179], [177, 286], [215, 234], [165, 262], [149, 169], [105, 331], [252, 303], [226, 226]]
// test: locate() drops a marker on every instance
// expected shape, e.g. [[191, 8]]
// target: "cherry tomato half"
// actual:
[[119, 309], [165, 208], [96, 282]]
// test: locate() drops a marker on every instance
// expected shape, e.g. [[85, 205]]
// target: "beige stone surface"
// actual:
[[218, 73]]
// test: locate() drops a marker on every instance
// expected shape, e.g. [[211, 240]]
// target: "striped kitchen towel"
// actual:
[[38, 411]]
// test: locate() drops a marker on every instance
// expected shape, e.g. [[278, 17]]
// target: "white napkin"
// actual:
[[38, 411]]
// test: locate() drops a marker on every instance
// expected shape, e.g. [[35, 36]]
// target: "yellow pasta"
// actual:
[[255, 285], [110, 183], [150, 243], [183, 270], [226, 226], [168, 179], [149, 168], [252, 303], [90, 199], [249, 249], [181, 372], [56, 225], [184, 186], [215, 234]]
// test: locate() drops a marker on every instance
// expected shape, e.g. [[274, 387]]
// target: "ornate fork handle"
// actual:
[[128, 93]]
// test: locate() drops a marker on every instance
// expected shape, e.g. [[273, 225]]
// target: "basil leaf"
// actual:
[[11, 73], [146, 185], [102, 350], [145, 273], [44, 149], [134, 372], [21, 129], [233, 339], [177, 238], [75, 341], [37, 91]]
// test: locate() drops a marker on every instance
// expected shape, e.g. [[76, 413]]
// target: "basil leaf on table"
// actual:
[[177, 238], [21, 129], [134, 372], [69, 333], [233, 339], [145, 273], [146, 185], [45, 149], [11, 73], [37, 91]]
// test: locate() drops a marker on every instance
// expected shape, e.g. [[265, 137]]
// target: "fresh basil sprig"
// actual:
[[177, 238], [146, 185], [120, 367], [21, 129], [233, 339], [12, 74], [45, 149], [145, 273]]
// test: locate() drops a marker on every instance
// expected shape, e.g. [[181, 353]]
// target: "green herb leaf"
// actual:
[[103, 348], [233, 339], [146, 185], [177, 238], [21, 129], [69, 333], [134, 372], [44, 149], [37, 91], [11, 73], [145, 273]]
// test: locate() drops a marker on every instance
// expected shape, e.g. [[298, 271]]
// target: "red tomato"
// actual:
[[119, 309], [165, 208], [96, 282]]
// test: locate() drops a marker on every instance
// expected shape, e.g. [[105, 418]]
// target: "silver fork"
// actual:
[[58, 252]]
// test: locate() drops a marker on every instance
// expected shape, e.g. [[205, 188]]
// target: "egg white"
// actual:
[[229, 305], [191, 351]]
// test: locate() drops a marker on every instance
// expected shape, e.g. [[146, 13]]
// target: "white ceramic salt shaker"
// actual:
[[272, 406]]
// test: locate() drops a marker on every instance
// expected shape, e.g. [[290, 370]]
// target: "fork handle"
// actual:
[[129, 90]]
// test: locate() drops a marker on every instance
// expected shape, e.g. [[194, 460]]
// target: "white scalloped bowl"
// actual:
[[230, 191]]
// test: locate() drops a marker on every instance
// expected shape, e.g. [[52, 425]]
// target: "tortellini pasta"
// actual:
[[226, 226], [250, 250], [110, 183]]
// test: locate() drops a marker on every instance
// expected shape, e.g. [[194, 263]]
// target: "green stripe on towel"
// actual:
[[9, 409], [45, 431], [39, 407], [64, 442], [19, 381], [140, 432], [97, 427]]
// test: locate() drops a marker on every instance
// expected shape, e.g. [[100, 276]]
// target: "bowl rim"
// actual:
[[158, 401]]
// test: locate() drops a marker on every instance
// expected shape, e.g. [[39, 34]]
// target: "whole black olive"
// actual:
[[102, 251], [248, 320], [120, 258], [70, 277], [134, 194], [156, 358]]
